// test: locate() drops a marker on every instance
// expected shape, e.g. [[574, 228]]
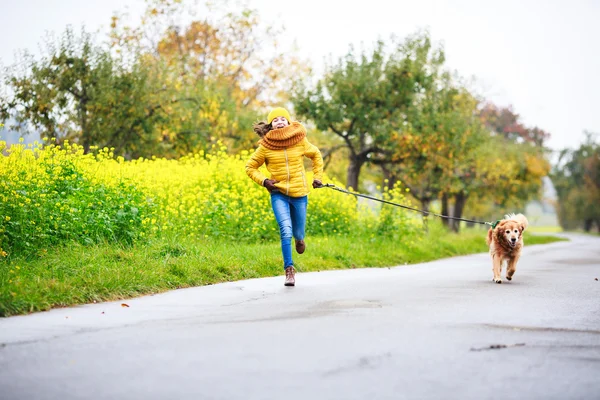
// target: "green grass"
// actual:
[[78, 274], [558, 229], [545, 229]]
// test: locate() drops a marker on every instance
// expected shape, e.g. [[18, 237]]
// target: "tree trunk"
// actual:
[[86, 141], [587, 224], [391, 177], [425, 204], [445, 210], [459, 204], [356, 163]]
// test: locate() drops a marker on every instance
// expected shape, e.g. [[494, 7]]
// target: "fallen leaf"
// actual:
[[124, 305]]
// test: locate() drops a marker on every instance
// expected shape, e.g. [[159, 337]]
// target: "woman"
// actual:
[[282, 147]]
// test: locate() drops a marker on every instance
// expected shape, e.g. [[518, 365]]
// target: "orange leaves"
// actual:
[[536, 165]]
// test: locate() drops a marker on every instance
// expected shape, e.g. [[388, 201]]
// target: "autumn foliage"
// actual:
[[163, 93]]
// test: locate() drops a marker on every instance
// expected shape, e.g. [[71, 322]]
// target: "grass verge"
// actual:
[[78, 274], [544, 229]]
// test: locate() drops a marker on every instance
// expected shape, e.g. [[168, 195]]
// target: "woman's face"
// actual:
[[279, 122]]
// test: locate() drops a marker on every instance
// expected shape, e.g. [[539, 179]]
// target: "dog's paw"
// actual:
[[497, 280], [509, 278]]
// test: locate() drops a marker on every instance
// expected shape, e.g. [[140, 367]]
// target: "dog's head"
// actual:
[[510, 231]]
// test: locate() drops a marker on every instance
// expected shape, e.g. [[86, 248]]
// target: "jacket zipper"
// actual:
[[287, 166]]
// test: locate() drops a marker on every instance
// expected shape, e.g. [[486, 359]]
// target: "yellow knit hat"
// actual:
[[278, 112]]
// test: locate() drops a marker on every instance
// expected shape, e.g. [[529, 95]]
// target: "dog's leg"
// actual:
[[497, 267], [512, 267]]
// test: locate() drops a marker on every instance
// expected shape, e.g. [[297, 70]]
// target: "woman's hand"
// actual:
[[317, 183], [270, 185]]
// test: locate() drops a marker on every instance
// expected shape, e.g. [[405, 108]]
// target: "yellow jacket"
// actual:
[[286, 165]]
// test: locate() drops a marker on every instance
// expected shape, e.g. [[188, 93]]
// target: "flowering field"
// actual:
[[78, 228], [51, 195]]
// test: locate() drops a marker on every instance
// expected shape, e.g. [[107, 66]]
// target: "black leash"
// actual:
[[332, 186]]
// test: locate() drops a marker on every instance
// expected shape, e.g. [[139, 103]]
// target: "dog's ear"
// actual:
[[499, 231], [521, 227]]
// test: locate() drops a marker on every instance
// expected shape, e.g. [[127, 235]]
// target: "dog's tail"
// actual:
[[520, 218]]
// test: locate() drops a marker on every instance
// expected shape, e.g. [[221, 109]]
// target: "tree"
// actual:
[[164, 88], [217, 72], [76, 91], [509, 176], [576, 177], [438, 147], [363, 99], [448, 153], [504, 122]]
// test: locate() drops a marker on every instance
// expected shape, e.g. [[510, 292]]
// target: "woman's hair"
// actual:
[[262, 128]]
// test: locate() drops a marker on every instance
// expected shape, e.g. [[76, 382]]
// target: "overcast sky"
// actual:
[[540, 56]]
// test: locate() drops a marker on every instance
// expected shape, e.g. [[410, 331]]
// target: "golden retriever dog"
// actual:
[[506, 243]]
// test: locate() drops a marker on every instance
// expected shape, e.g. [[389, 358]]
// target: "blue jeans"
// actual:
[[290, 213]]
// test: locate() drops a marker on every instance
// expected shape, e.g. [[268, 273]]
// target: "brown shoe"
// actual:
[[290, 274], [300, 246]]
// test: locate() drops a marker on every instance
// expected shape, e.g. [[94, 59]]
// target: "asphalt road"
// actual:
[[440, 330]]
